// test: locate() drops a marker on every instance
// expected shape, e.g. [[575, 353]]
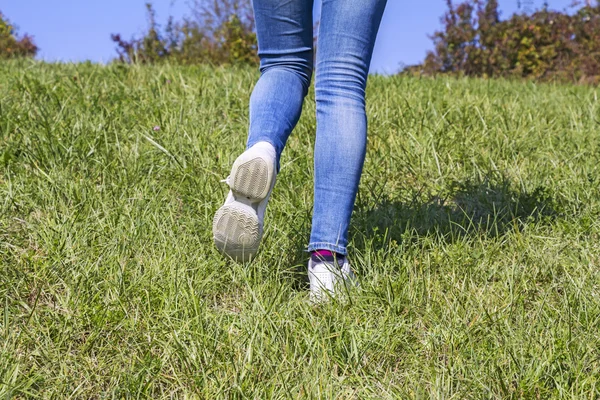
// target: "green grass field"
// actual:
[[475, 235]]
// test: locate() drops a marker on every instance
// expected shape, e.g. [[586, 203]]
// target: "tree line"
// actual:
[[12, 44], [474, 40], [544, 44]]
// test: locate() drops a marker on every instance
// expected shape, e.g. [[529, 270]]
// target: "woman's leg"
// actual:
[[285, 47], [345, 45], [284, 29]]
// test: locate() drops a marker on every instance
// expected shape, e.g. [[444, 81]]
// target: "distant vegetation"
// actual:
[[217, 32], [13, 45], [544, 44], [474, 41]]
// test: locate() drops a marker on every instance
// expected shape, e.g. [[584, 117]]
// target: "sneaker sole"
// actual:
[[237, 230]]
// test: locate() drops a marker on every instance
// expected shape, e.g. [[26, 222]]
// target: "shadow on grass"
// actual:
[[482, 209], [469, 209]]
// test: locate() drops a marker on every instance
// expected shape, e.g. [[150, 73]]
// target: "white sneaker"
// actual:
[[238, 224], [329, 277]]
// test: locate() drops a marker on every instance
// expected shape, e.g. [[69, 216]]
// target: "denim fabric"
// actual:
[[345, 43]]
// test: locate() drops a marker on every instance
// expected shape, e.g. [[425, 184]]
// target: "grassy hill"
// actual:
[[475, 234]]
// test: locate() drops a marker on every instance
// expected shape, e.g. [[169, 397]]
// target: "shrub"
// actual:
[[543, 45], [11, 45], [219, 32]]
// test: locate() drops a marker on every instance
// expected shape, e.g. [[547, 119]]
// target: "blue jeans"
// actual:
[[345, 43]]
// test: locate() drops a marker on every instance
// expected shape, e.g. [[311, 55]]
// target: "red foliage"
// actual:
[[12, 45]]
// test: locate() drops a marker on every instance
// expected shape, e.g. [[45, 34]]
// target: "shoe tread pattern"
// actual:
[[236, 231], [251, 179]]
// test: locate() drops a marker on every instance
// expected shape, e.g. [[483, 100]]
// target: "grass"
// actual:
[[475, 234]]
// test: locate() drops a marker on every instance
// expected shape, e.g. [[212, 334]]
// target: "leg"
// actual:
[[284, 30], [345, 45]]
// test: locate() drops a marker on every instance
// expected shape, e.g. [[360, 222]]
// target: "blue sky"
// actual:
[[78, 30]]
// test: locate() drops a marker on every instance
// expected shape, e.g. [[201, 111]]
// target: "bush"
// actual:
[[11, 45], [219, 32], [543, 45]]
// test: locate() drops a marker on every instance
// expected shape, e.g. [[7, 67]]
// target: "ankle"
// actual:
[[264, 146], [322, 254]]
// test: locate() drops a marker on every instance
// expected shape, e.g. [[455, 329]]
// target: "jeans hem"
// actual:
[[328, 246]]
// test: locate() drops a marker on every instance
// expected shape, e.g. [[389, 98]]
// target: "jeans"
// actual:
[[345, 44]]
